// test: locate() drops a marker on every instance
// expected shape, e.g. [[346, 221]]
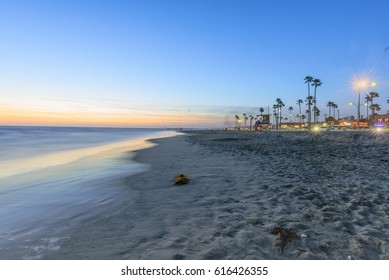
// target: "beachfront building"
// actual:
[[379, 120], [292, 125]]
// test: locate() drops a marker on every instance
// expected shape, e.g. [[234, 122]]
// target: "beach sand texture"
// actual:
[[331, 190]]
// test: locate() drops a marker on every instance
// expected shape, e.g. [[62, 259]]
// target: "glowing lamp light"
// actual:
[[361, 84]]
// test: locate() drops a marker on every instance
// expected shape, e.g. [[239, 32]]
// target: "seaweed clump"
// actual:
[[181, 179], [257, 222], [285, 235]]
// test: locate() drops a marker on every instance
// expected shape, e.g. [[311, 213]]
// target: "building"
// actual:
[[379, 120]]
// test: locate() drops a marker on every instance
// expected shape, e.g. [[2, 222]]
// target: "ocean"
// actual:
[[51, 178]]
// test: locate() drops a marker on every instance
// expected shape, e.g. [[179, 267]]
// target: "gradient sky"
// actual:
[[184, 63]]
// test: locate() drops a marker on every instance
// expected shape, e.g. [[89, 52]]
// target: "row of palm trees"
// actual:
[[245, 118], [331, 105], [311, 101], [277, 111], [277, 116]]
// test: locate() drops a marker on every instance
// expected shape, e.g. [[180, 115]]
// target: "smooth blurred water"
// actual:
[[53, 177], [25, 141], [25, 149]]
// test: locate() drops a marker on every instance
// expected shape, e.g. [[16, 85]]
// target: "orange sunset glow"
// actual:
[[24, 116]]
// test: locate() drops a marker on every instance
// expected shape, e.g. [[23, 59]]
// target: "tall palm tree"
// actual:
[[309, 100], [299, 102], [329, 105], [280, 104], [308, 80], [290, 113], [261, 110], [367, 100], [373, 95], [244, 117], [275, 120], [251, 117], [237, 121], [387, 100], [315, 83], [245, 120], [316, 111], [334, 106]]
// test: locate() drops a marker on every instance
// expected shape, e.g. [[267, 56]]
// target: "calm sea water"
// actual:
[[23, 141], [53, 177], [24, 149]]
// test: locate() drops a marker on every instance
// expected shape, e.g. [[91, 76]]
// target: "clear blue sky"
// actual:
[[205, 60]]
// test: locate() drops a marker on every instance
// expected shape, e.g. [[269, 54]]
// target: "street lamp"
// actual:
[[361, 84], [353, 104]]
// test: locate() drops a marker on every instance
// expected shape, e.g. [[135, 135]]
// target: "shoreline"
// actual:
[[325, 189], [41, 207]]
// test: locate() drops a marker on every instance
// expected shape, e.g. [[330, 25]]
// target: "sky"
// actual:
[[191, 63]]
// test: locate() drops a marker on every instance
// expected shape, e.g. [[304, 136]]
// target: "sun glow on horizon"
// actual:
[[100, 115]]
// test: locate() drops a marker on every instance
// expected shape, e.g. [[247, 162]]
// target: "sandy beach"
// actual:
[[330, 190]]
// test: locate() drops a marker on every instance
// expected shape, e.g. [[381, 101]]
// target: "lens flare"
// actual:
[[378, 132]]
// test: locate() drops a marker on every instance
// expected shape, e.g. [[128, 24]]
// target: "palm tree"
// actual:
[[316, 83], [237, 121], [290, 113], [367, 100], [329, 105], [372, 96], [275, 120], [374, 108], [316, 112], [261, 110], [308, 100], [334, 106], [308, 80], [245, 119], [387, 100], [280, 104], [251, 120], [303, 117], [299, 102]]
